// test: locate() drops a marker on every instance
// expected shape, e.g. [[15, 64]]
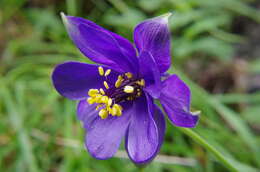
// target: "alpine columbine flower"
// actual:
[[116, 97]]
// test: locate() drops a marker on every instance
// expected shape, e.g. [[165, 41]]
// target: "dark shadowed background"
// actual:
[[215, 49]]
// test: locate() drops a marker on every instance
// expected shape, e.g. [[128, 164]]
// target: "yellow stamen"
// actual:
[[113, 111], [109, 102], [119, 81], [106, 85], [120, 77], [98, 98], [107, 72], [90, 100], [128, 89], [104, 99], [119, 112], [102, 91], [101, 70], [109, 109], [103, 113], [141, 82], [129, 75], [93, 92], [116, 110]]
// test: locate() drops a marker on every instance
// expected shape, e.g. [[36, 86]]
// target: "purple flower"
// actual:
[[116, 97]]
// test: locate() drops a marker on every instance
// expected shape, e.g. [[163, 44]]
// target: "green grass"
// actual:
[[38, 127]]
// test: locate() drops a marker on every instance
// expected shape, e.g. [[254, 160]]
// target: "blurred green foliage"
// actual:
[[35, 120]]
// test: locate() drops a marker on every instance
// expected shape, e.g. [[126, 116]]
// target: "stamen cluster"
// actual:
[[126, 88]]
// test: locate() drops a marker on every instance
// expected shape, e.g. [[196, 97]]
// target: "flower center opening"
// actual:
[[126, 88]]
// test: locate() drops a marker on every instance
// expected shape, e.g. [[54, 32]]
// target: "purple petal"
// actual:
[[175, 99], [86, 113], [160, 122], [101, 45], [149, 71], [142, 140], [104, 136], [74, 79], [153, 36]]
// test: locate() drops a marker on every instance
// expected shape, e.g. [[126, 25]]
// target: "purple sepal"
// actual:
[[74, 79], [175, 99], [143, 136], [103, 136], [151, 74], [101, 45], [153, 35]]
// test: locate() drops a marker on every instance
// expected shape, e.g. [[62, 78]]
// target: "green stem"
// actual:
[[210, 148]]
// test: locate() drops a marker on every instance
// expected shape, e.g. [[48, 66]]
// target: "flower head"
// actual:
[[116, 97]]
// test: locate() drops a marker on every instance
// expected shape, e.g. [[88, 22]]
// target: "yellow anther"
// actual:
[[118, 83], [119, 112], [102, 91], [98, 98], [104, 99], [101, 70], [138, 94], [120, 77], [141, 82], [113, 111], [106, 85], [107, 72], [116, 110], [109, 102], [129, 89], [129, 75], [103, 113], [91, 100], [93, 92]]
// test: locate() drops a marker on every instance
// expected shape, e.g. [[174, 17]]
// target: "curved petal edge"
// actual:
[[175, 99]]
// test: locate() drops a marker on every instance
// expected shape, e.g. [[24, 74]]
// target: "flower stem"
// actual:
[[209, 147]]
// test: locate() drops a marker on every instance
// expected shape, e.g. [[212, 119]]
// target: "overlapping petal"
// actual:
[[101, 45], [103, 137], [153, 36], [142, 140], [175, 99], [160, 122], [151, 74], [74, 79]]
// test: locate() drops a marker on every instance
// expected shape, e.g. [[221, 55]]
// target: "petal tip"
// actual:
[[64, 18], [165, 17], [196, 113]]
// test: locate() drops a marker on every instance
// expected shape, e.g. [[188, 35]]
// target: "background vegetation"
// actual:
[[215, 49]]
